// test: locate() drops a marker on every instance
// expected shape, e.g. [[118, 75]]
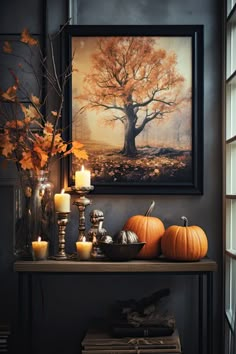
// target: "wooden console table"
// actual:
[[204, 269]]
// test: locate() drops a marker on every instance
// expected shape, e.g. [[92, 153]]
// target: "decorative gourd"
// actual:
[[126, 236], [106, 238], [184, 243], [149, 229]]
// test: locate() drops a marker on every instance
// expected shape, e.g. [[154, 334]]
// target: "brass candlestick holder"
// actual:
[[62, 221], [82, 202]]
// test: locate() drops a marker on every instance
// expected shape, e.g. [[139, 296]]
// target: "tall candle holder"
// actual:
[[82, 202], [62, 221]]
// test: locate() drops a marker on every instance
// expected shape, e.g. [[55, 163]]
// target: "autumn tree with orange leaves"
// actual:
[[136, 81]]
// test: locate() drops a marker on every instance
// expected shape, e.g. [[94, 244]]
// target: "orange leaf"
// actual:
[[8, 149], [14, 124], [80, 154], [7, 48], [6, 145], [48, 128], [26, 38], [77, 145], [43, 156], [54, 113], [35, 100], [10, 94], [30, 112], [26, 161]]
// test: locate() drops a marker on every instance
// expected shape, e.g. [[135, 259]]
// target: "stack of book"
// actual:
[[98, 341], [4, 338]]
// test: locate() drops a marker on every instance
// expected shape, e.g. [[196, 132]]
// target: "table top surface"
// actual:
[[104, 266]]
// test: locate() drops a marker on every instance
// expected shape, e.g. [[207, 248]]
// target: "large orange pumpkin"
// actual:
[[184, 243], [149, 229]]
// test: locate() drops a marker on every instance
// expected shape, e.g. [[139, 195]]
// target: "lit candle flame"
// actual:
[[84, 238], [82, 168], [62, 191], [39, 239]]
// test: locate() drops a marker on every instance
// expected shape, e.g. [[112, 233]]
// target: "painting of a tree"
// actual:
[[132, 105]]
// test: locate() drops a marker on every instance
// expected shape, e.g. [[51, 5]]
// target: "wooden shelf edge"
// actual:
[[135, 266]]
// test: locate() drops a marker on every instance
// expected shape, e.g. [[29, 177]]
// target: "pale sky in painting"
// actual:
[[84, 46]]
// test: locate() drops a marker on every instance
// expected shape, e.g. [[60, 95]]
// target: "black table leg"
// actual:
[[209, 313], [25, 313], [20, 311], [200, 315], [30, 314]]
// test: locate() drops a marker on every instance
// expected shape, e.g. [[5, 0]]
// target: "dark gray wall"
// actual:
[[71, 301]]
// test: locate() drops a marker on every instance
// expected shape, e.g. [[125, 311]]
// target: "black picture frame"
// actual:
[[193, 33]]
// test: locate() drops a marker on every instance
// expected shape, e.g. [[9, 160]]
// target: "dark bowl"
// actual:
[[121, 252]]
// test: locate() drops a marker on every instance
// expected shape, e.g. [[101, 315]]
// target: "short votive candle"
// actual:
[[84, 249], [39, 250]]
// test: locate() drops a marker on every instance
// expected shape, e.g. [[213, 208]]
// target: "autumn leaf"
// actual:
[[59, 145], [6, 145], [59, 148], [8, 149], [44, 142], [35, 100], [76, 145], [10, 94], [15, 124], [54, 113], [30, 112], [27, 120], [27, 38], [26, 161], [80, 154], [43, 156], [7, 48], [48, 128], [75, 149]]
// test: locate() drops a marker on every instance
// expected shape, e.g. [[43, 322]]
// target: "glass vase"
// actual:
[[34, 212]]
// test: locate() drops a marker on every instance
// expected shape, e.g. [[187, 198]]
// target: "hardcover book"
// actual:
[[101, 341]]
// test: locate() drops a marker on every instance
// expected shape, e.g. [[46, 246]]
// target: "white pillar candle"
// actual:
[[82, 178], [62, 202], [84, 249], [39, 249]]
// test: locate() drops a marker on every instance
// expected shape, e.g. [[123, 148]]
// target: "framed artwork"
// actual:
[[135, 100]]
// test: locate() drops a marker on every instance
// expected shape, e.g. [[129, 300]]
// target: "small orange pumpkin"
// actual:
[[184, 243], [149, 229]]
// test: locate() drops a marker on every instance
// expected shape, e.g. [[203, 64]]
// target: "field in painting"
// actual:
[[150, 165]]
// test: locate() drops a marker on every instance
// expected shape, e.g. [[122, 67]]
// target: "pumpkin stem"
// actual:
[[150, 209], [185, 220]]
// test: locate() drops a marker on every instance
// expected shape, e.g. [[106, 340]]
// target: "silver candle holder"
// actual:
[[62, 221], [82, 202]]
